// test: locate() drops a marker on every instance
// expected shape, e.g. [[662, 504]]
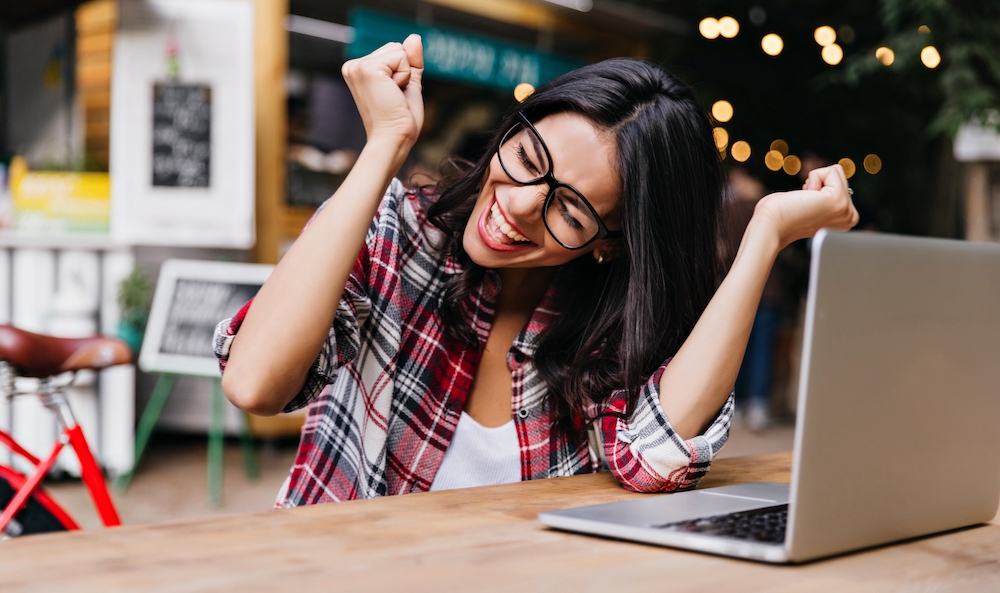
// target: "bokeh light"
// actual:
[[873, 164], [923, 29], [773, 160], [728, 27], [740, 150], [781, 146], [721, 138], [833, 54], [930, 56], [709, 28], [523, 91], [791, 164], [885, 55], [849, 167], [722, 111], [772, 44], [825, 35]]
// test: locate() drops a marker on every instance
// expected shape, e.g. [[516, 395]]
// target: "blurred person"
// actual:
[[553, 307]]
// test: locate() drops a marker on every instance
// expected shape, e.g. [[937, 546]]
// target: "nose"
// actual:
[[525, 201]]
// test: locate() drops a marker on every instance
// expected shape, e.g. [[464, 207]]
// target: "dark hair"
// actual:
[[651, 294]]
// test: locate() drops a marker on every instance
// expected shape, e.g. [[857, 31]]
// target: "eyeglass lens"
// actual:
[[567, 215]]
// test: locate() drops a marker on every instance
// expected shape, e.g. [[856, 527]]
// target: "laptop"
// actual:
[[898, 427]]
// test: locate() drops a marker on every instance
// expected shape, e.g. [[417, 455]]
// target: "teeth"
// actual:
[[504, 226]]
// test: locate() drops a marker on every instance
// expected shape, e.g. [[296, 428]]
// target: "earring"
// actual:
[[599, 256]]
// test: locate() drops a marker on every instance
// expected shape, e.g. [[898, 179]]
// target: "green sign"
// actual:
[[456, 55]]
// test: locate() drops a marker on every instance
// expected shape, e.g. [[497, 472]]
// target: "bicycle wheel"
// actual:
[[33, 518]]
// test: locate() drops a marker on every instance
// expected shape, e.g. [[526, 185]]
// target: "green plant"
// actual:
[[135, 294]]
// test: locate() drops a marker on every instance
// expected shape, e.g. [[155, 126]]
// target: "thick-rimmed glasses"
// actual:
[[568, 216]]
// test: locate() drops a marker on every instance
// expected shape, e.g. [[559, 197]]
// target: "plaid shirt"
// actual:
[[387, 390]]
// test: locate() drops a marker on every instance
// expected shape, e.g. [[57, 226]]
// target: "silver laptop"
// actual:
[[898, 429]]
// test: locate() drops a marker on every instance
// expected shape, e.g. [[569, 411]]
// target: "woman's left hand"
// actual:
[[823, 201]]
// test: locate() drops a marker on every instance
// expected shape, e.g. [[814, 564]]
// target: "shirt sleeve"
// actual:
[[644, 452], [344, 339]]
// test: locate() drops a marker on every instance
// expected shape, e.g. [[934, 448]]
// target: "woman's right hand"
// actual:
[[386, 87]]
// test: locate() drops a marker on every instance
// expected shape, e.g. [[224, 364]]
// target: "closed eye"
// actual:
[[564, 212], [522, 155]]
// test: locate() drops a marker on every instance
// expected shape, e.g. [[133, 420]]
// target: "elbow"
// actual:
[[251, 394]]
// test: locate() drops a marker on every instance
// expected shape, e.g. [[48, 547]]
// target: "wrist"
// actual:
[[389, 150]]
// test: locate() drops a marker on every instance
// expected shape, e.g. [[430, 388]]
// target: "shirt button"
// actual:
[[519, 357], [522, 413]]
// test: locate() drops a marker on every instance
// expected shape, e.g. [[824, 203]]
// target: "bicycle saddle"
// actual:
[[37, 355]]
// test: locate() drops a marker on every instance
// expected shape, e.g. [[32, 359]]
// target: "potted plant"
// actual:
[[135, 294]]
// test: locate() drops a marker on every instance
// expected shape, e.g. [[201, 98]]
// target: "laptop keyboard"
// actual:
[[765, 525]]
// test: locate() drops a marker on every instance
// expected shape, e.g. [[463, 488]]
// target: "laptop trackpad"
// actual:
[[668, 508]]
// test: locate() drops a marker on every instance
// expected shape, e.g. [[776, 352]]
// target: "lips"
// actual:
[[498, 233]]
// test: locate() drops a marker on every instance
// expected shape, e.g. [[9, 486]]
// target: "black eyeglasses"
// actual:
[[568, 216]]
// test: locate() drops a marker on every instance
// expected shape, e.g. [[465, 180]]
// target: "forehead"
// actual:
[[584, 156]]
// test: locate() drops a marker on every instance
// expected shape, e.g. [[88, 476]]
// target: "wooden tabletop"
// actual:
[[481, 539]]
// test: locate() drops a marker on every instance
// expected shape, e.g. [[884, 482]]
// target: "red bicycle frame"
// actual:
[[71, 434]]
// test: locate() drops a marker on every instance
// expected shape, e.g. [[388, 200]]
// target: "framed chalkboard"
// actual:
[[182, 135], [191, 297]]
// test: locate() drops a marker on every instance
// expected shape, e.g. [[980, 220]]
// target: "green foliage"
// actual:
[[135, 293], [965, 33]]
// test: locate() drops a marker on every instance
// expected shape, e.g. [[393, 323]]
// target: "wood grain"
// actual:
[[483, 539]]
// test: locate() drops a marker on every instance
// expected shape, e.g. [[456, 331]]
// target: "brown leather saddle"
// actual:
[[37, 355]]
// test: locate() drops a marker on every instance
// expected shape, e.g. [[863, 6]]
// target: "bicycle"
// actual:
[[27, 508]]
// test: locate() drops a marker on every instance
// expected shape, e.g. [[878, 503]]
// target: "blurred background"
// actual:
[[137, 131]]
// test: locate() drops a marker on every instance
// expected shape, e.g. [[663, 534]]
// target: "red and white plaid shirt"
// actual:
[[387, 389]]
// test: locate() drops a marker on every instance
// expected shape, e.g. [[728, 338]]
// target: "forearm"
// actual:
[[701, 375], [291, 316]]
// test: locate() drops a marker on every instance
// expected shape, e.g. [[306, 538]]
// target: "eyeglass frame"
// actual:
[[554, 184]]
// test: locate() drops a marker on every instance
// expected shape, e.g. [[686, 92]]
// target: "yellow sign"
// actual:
[[55, 201]]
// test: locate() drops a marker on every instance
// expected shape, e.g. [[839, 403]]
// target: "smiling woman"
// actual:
[[516, 322]]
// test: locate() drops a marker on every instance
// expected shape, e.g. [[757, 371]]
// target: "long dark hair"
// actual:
[[648, 298]]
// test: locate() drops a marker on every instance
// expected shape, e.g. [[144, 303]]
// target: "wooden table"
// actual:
[[483, 539]]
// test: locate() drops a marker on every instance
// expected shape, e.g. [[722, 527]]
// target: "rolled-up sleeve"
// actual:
[[644, 452]]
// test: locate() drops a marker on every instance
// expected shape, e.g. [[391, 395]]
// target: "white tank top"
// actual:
[[479, 456]]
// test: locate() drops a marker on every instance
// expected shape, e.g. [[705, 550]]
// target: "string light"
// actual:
[[728, 27], [773, 160], [930, 56], [781, 146], [791, 164], [885, 55], [721, 138], [772, 44], [523, 91], [825, 35], [833, 54], [741, 151], [722, 111], [873, 164], [709, 28], [849, 167]]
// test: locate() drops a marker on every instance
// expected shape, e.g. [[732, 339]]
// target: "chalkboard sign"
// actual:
[[182, 135], [192, 297]]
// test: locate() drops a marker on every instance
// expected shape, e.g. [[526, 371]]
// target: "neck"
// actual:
[[522, 289]]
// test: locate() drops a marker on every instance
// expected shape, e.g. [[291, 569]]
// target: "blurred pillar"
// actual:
[[977, 202], [271, 66]]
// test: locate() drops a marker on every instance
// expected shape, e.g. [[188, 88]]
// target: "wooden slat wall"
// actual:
[[95, 35]]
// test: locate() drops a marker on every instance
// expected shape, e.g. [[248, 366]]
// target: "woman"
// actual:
[[488, 327]]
